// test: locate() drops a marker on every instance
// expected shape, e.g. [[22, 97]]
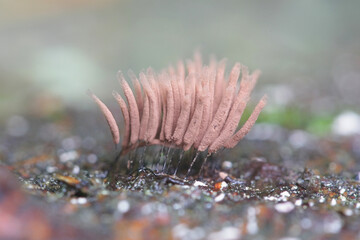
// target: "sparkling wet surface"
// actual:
[[61, 177]]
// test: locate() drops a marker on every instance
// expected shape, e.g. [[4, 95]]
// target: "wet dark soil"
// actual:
[[61, 180]]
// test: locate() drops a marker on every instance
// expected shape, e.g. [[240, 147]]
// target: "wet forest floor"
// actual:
[[60, 180]]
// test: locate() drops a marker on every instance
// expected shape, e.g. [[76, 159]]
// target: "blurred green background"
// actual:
[[51, 52]]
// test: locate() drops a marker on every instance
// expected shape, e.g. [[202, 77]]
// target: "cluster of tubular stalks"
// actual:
[[192, 105]]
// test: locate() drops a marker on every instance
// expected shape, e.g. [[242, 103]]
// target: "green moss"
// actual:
[[320, 125], [294, 118]]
